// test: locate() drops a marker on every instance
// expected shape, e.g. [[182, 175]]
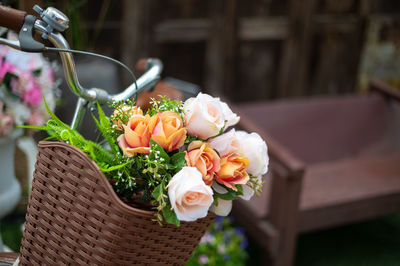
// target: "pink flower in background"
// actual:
[[6, 124], [33, 96], [4, 68], [32, 79], [36, 118]]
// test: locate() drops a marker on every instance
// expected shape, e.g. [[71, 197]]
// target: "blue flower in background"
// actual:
[[221, 245]]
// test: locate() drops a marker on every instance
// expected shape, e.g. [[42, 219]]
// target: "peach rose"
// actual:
[[136, 137], [128, 110], [189, 196], [204, 158], [167, 130], [233, 171]]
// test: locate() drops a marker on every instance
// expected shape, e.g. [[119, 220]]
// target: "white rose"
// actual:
[[254, 148], [225, 144], [205, 116], [224, 206], [190, 197], [223, 209], [230, 117], [248, 192]]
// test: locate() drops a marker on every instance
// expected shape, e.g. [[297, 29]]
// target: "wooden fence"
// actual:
[[245, 49]]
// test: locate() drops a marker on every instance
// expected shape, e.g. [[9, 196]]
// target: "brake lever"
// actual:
[[26, 42], [14, 44]]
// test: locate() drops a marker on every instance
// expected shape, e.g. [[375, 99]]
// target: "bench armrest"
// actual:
[[277, 152], [385, 89]]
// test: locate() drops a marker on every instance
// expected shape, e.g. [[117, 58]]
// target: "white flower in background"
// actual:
[[189, 196], [25, 61], [20, 112], [205, 116]]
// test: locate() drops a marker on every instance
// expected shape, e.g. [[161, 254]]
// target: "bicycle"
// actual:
[[73, 215]]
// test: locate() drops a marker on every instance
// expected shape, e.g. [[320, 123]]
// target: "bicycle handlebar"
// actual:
[[11, 18], [15, 19]]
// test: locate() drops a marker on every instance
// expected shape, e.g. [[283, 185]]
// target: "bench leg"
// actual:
[[284, 211]]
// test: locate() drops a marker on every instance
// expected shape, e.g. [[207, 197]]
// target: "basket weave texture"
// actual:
[[75, 218]]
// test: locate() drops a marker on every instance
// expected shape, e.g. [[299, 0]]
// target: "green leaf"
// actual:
[[52, 115], [53, 137], [170, 215], [178, 160], [158, 191], [158, 151], [37, 72], [115, 167], [6, 81], [230, 195], [45, 128], [239, 190]]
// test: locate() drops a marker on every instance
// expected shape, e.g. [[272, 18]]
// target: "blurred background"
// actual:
[[252, 51], [246, 50]]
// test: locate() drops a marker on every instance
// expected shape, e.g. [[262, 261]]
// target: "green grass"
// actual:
[[372, 243]]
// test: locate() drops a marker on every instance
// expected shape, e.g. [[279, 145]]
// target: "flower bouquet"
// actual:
[[25, 79], [170, 165]]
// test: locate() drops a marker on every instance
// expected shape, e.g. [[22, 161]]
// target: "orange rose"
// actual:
[[233, 171], [204, 158], [128, 110], [167, 130], [136, 137]]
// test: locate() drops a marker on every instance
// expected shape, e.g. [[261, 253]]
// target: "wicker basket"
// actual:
[[75, 218]]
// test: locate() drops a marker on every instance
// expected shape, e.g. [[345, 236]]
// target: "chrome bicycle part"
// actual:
[[54, 18]]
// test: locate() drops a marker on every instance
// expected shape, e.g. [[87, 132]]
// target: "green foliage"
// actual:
[[221, 245], [230, 194], [170, 216], [256, 184], [112, 163], [178, 160], [165, 104]]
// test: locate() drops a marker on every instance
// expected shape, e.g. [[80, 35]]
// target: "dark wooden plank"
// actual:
[[263, 28], [221, 45], [182, 30], [293, 73], [135, 33]]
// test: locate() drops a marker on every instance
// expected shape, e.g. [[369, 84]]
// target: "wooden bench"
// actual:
[[334, 160]]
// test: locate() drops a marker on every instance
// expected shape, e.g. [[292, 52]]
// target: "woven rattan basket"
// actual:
[[75, 218]]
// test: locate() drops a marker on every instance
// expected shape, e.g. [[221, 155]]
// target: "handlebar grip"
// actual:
[[11, 18], [141, 64]]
